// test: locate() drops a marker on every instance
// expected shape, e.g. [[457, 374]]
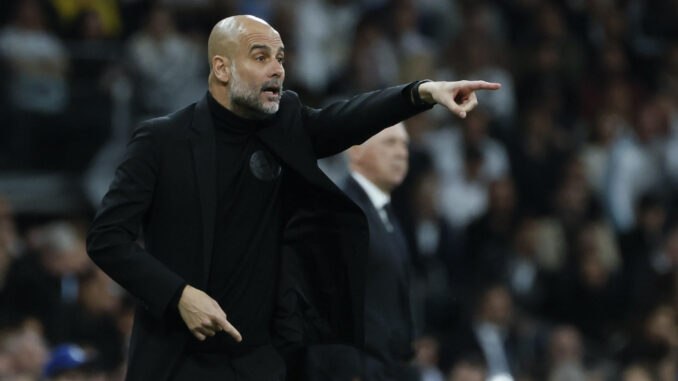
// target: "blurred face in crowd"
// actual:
[[502, 195], [565, 345], [670, 246], [426, 349], [247, 58], [62, 250], [26, 350], [467, 372], [593, 271], [383, 159], [607, 128], [29, 15], [636, 373], [8, 233], [160, 23], [651, 218], [497, 306], [660, 326], [526, 238]]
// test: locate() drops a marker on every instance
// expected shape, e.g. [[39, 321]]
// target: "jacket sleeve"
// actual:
[[112, 236], [350, 122]]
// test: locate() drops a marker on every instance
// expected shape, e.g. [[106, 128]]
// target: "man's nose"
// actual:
[[278, 70]]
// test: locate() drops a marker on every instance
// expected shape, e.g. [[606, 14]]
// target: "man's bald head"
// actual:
[[227, 34], [246, 66]]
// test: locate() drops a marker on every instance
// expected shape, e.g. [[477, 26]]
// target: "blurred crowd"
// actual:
[[543, 226]]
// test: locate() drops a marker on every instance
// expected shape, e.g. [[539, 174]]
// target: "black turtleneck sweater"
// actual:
[[248, 230]]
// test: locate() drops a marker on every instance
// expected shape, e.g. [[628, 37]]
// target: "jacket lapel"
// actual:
[[279, 140], [358, 195], [203, 147]]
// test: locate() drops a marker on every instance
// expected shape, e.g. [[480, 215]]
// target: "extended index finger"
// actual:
[[229, 328], [480, 85]]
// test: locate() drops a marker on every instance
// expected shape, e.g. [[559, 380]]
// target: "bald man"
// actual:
[[246, 243]]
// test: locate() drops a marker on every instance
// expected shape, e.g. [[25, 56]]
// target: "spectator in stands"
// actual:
[[463, 194], [488, 238], [37, 59], [588, 293], [324, 34], [665, 265], [637, 372], [25, 350], [654, 341], [635, 165], [447, 147], [565, 352], [105, 13], [485, 54], [92, 321], [37, 87], [595, 155], [372, 61], [169, 68], [414, 50], [640, 247], [523, 271], [426, 358], [11, 246], [491, 333], [465, 199], [467, 160], [537, 155], [44, 284], [437, 282], [469, 368]]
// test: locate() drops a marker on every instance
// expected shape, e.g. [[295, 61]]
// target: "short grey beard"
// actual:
[[248, 98]]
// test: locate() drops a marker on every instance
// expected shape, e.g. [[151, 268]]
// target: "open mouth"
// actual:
[[271, 91]]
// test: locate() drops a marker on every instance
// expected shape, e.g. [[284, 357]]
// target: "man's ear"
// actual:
[[221, 67]]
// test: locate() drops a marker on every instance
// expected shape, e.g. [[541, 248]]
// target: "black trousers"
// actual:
[[262, 364]]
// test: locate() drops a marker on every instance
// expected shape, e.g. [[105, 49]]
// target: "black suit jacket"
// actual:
[[166, 187], [388, 316]]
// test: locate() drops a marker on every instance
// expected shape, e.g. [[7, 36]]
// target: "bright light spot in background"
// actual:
[[501, 377]]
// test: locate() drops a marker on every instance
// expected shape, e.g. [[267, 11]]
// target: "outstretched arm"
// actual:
[[350, 122]]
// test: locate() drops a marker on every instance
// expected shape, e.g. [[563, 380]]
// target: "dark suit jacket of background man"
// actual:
[[166, 186], [388, 316], [388, 327]]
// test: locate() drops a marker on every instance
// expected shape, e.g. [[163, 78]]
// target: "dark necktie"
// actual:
[[388, 217]]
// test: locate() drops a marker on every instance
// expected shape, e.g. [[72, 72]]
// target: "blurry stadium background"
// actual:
[[543, 227]]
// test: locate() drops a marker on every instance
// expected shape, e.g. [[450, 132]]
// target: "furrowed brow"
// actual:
[[263, 47]]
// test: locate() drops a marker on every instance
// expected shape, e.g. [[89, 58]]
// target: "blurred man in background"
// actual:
[[377, 167]]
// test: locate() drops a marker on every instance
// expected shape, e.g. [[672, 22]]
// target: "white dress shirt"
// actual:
[[378, 198]]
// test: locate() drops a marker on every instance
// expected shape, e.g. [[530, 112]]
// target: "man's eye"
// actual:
[[259, 58], [281, 60]]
